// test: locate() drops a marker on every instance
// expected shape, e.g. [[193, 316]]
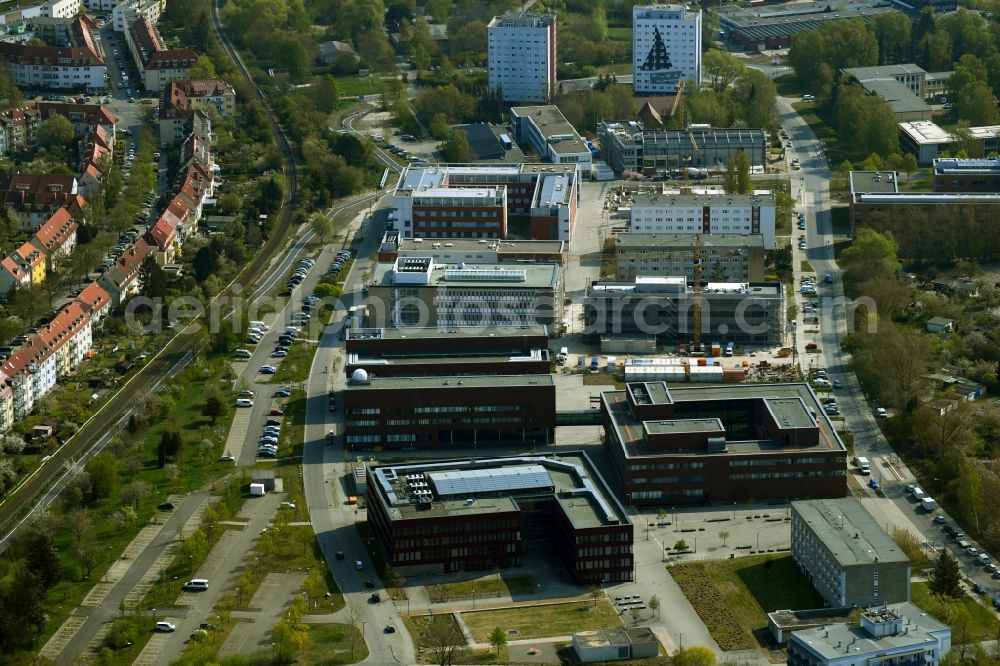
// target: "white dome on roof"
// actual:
[[359, 376]]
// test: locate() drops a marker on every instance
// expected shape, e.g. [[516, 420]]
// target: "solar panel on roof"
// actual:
[[492, 480]]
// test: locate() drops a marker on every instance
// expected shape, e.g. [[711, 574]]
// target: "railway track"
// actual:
[[110, 418]]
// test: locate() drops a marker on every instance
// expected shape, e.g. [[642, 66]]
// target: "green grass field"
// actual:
[[543, 621], [979, 621], [331, 644], [733, 597], [483, 588]]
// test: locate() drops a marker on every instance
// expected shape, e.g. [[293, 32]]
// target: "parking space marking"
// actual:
[[64, 634], [151, 653]]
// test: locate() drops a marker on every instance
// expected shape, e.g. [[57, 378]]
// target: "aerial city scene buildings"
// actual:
[[411, 333]]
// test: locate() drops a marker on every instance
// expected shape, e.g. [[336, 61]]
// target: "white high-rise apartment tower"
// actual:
[[522, 56], [666, 48]]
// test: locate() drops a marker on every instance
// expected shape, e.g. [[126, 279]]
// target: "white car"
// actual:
[[164, 627], [881, 413]]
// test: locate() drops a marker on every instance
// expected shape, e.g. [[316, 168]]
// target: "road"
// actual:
[[811, 192]]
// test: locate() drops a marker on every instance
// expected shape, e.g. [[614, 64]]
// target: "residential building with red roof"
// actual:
[[122, 280], [95, 301], [157, 63], [201, 95], [79, 66], [25, 267], [18, 127], [70, 336], [6, 407], [31, 372], [56, 238], [37, 196]]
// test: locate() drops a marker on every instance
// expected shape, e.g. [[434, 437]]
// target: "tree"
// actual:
[[595, 593], [976, 104], [654, 605], [871, 255], [103, 472], [694, 656], [203, 68], [456, 147], [444, 639], [945, 577], [744, 185], [78, 521], [498, 639], [152, 278], [729, 185], [723, 534], [214, 406], [681, 545], [721, 69], [134, 492], [56, 132], [321, 226], [327, 95], [205, 263]]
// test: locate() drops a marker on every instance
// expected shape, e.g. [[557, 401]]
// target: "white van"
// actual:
[[196, 584], [244, 402], [242, 353], [862, 464], [258, 325]]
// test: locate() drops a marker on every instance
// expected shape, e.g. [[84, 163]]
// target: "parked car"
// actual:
[[165, 506], [164, 627], [268, 369], [277, 411]]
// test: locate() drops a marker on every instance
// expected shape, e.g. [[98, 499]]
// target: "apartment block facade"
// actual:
[[846, 554], [522, 56], [666, 48], [705, 212]]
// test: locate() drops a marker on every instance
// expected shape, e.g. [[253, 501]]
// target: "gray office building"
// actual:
[[726, 257], [626, 145], [849, 559], [745, 313]]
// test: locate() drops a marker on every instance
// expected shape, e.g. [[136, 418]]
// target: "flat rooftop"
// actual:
[[651, 242], [437, 245], [672, 286], [488, 485], [848, 531], [561, 136], [831, 641], [781, 399], [948, 166], [925, 132], [660, 200], [529, 276], [897, 95], [884, 71], [789, 18], [929, 198], [460, 382], [679, 426], [431, 333], [874, 181]]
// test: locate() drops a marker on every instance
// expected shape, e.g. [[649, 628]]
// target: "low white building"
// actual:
[[705, 212], [549, 134], [895, 634]]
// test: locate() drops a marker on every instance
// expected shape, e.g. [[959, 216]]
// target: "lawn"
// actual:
[[543, 621], [294, 368], [805, 266], [733, 597], [333, 644], [483, 588], [982, 625]]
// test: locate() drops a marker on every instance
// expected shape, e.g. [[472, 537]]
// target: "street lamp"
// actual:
[[473, 598]]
